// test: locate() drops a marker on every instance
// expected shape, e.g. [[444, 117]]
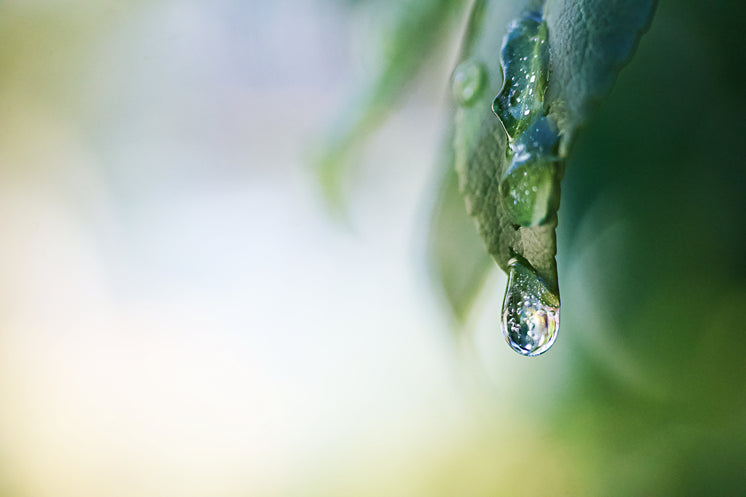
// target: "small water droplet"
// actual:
[[531, 312], [467, 82]]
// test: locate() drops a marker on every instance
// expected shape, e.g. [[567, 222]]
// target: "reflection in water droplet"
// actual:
[[531, 312], [467, 82], [525, 62]]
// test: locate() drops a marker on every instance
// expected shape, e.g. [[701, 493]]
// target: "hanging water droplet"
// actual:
[[467, 82], [531, 312], [525, 63], [529, 189]]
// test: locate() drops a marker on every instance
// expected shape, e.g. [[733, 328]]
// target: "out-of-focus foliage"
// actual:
[[653, 231], [457, 253], [651, 251], [418, 30]]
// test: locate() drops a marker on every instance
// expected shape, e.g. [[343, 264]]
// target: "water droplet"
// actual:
[[525, 63], [467, 82], [531, 312], [529, 189]]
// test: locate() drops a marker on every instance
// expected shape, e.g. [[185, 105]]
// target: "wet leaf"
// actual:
[[589, 41]]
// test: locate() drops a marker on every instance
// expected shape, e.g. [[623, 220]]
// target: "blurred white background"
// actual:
[[179, 315]]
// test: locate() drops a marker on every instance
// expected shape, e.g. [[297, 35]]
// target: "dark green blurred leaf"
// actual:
[[653, 228]]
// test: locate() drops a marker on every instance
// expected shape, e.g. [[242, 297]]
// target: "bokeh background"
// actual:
[[184, 311]]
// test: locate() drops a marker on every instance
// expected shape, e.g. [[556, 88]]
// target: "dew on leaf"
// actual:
[[529, 189], [531, 312], [529, 186], [510, 182]]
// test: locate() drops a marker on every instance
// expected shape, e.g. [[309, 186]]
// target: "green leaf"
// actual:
[[589, 41]]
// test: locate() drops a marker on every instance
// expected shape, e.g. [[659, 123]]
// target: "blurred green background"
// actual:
[[182, 315]]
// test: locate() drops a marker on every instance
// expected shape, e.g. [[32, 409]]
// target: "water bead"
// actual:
[[531, 312], [529, 189], [467, 82], [525, 63]]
